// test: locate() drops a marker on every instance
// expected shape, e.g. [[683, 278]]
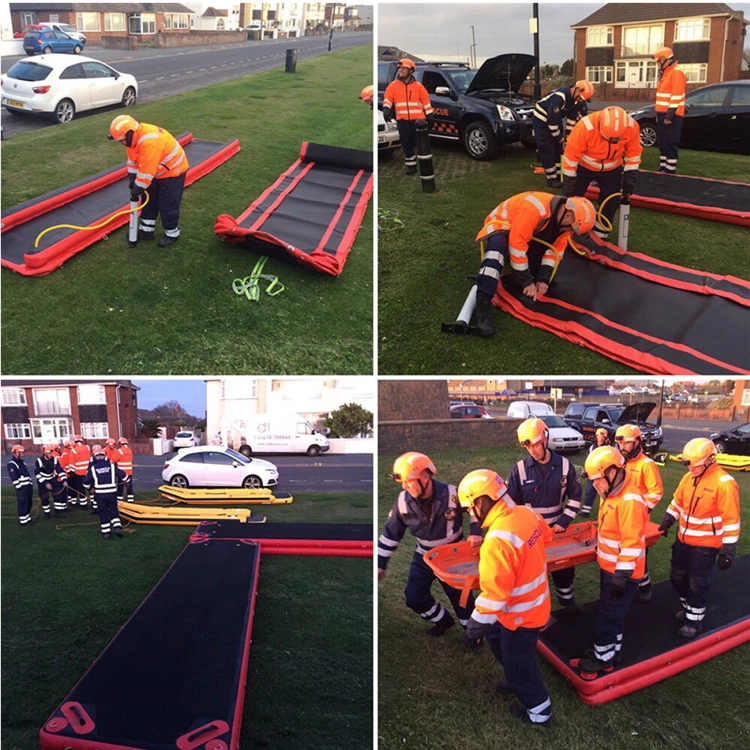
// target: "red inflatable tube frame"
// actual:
[[332, 547], [638, 676]]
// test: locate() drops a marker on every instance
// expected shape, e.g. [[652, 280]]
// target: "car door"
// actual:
[[221, 470], [446, 108], [104, 88], [191, 466], [739, 119], [76, 86], [63, 42], [706, 120], [739, 441]]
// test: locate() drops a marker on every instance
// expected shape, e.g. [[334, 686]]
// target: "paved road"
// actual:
[[297, 473], [163, 72]]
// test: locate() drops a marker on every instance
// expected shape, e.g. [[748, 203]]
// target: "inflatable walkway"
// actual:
[[312, 212], [340, 540], [85, 203], [653, 316], [651, 649], [458, 564], [233, 496], [717, 200], [170, 516], [174, 675]]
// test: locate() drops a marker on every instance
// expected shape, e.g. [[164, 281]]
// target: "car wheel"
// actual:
[[77, 49], [128, 97], [648, 134], [720, 447], [479, 141], [252, 483], [313, 450], [64, 111], [246, 451], [179, 480], [47, 51]]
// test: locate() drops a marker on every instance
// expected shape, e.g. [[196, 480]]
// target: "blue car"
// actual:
[[48, 41]]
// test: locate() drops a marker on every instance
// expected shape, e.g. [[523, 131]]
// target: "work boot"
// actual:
[[585, 512], [689, 631], [680, 615], [106, 537], [644, 594], [119, 532], [167, 241], [145, 236], [443, 624], [483, 315], [521, 713], [589, 653], [503, 687], [591, 668], [411, 169], [555, 184], [571, 606]]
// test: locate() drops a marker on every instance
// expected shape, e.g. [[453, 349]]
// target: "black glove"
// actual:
[[665, 524], [569, 186], [387, 114], [430, 122], [628, 183], [470, 642], [618, 587], [723, 561], [136, 192], [131, 181]]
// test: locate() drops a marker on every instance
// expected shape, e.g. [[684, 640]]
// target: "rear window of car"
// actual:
[[574, 410], [29, 71], [184, 435]]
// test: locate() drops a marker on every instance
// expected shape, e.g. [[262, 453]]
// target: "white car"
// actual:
[[66, 28], [185, 439], [213, 466], [388, 137], [561, 437], [61, 85]]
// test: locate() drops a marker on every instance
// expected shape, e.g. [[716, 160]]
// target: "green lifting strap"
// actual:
[[250, 287]]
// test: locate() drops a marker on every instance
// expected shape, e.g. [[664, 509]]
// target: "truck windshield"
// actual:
[[462, 79]]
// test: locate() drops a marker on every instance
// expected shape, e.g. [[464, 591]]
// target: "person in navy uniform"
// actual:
[[104, 479], [21, 479]]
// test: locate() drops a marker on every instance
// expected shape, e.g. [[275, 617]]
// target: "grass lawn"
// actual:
[[66, 594], [433, 693], [112, 310], [423, 267]]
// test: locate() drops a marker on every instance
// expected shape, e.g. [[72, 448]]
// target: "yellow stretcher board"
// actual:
[[458, 564], [171, 516], [725, 460], [223, 495]]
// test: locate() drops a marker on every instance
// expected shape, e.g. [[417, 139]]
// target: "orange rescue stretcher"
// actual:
[[458, 564]]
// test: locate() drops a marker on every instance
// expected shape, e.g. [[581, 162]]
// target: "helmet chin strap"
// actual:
[[615, 485]]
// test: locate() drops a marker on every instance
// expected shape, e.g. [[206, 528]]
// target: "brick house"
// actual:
[[141, 21], [33, 412], [614, 46]]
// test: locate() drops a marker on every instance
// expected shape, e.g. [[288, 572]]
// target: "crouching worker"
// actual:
[[707, 506], [514, 603], [512, 232], [102, 479], [621, 554], [431, 512]]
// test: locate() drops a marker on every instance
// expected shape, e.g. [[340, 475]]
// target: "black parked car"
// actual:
[[736, 441], [717, 118]]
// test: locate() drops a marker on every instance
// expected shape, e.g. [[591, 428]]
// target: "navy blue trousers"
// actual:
[[610, 617], [165, 199], [590, 497], [496, 255], [24, 499], [609, 183], [407, 130], [668, 137], [691, 575], [548, 150], [106, 508], [419, 596]]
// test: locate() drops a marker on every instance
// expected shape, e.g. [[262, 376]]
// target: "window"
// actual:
[[142, 23], [94, 430], [51, 430], [741, 97], [192, 458], [642, 40], [88, 22], [713, 96], [51, 401], [95, 70], [13, 397], [599, 36], [692, 29], [221, 459], [73, 72], [220, 24], [91, 394], [599, 74], [27, 18], [636, 74], [746, 396], [114, 22], [432, 80], [176, 21], [239, 388], [18, 432], [54, 18], [695, 72]]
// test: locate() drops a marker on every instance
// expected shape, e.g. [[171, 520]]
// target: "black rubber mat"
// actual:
[[697, 191], [333, 531]]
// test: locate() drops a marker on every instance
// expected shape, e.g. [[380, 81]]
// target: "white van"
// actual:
[[66, 28], [526, 409], [272, 436]]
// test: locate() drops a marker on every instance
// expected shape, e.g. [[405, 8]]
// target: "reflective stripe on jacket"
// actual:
[[708, 509], [103, 476], [559, 111], [647, 479], [408, 99], [19, 473], [47, 469], [124, 459], [670, 91], [621, 543], [586, 148], [81, 459], [513, 568], [155, 154]]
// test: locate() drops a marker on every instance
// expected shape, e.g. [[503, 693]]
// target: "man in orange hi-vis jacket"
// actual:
[[603, 146], [514, 603], [124, 461], [157, 163], [670, 108], [406, 100]]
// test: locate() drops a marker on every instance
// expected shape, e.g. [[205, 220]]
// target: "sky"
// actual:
[[190, 393], [441, 30]]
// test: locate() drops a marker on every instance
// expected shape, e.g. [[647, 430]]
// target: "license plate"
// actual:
[[14, 103], [381, 139]]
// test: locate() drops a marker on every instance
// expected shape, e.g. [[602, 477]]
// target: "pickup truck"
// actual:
[[482, 109], [588, 417]]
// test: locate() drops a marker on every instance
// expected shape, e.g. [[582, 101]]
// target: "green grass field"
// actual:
[[113, 310], [432, 693], [66, 594], [423, 267]]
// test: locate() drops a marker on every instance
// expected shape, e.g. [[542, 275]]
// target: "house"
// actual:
[[33, 412], [614, 46], [143, 21], [213, 19]]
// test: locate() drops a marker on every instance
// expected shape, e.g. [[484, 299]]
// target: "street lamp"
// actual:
[[473, 48]]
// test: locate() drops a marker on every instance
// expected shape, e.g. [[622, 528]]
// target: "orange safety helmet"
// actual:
[[48, 447], [111, 441], [17, 447], [628, 432], [121, 126], [613, 123], [77, 439], [123, 441], [601, 459], [367, 94], [698, 452], [584, 214], [665, 53], [97, 450], [405, 62], [531, 431], [68, 444], [586, 88], [410, 465], [481, 483], [601, 431]]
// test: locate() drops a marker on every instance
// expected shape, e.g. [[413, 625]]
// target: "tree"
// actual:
[[149, 428], [568, 68], [201, 425], [179, 423], [350, 420]]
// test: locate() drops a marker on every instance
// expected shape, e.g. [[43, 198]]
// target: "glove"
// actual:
[[136, 192], [388, 114], [569, 186], [723, 561], [131, 181], [430, 122], [618, 587], [665, 524], [628, 184], [470, 639]]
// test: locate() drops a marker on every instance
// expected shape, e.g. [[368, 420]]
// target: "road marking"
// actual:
[[160, 78], [200, 70]]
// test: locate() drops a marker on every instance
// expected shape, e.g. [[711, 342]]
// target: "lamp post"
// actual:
[[473, 48]]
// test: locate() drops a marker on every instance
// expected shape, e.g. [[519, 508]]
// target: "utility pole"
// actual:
[[534, 27], [473, 52]]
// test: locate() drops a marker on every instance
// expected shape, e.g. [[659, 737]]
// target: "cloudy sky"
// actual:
[[441, 30]]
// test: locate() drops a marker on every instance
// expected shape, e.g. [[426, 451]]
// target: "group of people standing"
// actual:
[[72, 474], [541, 497]]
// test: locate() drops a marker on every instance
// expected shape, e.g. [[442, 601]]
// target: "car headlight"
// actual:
[[506, 113]]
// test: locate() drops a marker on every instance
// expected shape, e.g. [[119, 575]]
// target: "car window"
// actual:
[[184, 434], [193, 458], [710, 97], [743, 429], [67, 29], [60, 35], [575, 410], [29, 71], [614, 414], [740, 96], [97, 70], [432, 80], [383, 77], [461, 79], [217, 458], [551, 421], [74, 71], [590, 413], [238, 456]]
